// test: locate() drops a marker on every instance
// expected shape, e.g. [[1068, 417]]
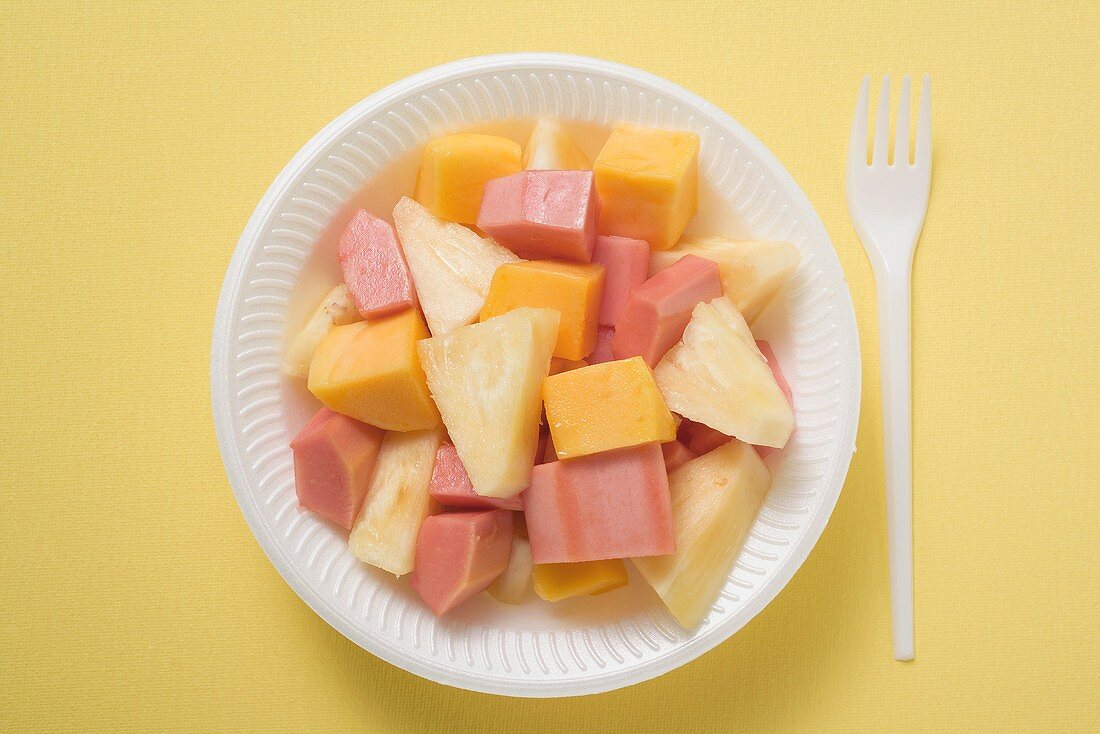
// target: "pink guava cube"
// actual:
[[451, 486], [542, 214], [333, 461], [613, 504], [458, 554], [655, 314], [602, 352], [626, 266], [374, 267]]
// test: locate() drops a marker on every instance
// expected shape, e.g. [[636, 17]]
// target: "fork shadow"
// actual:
[[777, 667]]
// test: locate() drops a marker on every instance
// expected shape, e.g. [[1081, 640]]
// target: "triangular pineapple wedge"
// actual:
[[397, 502], [451, 265], [486, 380], [549, 148], [751, 272], [715, 499], [716, 376]]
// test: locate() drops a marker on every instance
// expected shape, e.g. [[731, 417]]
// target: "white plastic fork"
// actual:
[[887, 201]]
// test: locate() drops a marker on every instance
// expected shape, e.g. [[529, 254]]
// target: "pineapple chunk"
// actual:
[[751, 272], [451, 266], [397, 501], [486, 380], [335, 309], [550, 149], [716, 376], [715, 499], [511, 586]]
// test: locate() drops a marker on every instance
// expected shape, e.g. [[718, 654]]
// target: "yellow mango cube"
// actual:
[[648, 180], [572, 289], [557, 581], [606, 406], [370, 371], [454, 169]]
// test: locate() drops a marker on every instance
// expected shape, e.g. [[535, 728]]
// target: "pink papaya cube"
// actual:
[[333, 461], [542, 214], [374, 267], [613, 504], [458, 554], [676, 455], [626, 266], [602, 352], [451, 486], [655, 314]]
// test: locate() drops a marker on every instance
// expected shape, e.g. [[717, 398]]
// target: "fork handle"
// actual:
[[894, 306]]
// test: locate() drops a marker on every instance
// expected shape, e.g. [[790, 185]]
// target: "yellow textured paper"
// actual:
[[135, 141]]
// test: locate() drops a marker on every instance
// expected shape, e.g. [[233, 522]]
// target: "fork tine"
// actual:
[[882, 125], [923, 154], [857, 144], [901, 133]]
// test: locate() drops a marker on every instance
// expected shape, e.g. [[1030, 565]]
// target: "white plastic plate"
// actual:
[[285, 261]]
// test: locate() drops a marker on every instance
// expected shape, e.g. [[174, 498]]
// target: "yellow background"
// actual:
[[134, 143]]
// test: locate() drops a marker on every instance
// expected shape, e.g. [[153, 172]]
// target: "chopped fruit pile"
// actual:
[[528, 404]]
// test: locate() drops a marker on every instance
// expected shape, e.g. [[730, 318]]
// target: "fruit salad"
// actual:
[[531, 379]]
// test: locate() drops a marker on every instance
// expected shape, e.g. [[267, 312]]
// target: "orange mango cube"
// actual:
[[370, 371], [454, 169], [647, 180], [605, 406], [572, 289], [557, 581]]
